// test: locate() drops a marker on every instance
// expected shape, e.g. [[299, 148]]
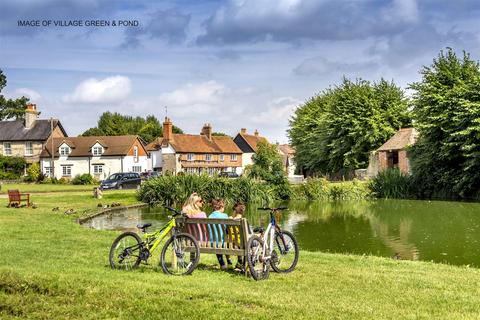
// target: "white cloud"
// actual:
[[200, 94], [279, 110], [93, 90], [29, 93]]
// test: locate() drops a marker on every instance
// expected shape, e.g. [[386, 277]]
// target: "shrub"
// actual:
[[391, 183], [11, 167], [173, 190], [84, 179], [33, 173], [322, 189]]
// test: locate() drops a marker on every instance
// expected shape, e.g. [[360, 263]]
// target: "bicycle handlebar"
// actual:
[[273, 209], [173, 210]]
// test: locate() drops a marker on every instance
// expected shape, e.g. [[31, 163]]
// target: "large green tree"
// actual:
[[335, 131], [116, 124], [446, 158], [10, 108]]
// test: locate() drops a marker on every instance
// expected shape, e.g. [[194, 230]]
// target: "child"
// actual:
[[238, 211], [218, 213]]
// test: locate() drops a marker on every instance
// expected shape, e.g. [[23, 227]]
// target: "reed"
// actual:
[[393, 184]]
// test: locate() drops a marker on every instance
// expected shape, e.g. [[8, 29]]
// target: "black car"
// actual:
[[228, 174], [123, 180]]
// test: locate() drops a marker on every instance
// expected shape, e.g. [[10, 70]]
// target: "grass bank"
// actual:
[[37, 187], [52, 268]]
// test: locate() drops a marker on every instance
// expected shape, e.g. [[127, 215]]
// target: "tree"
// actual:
[[11, 108], [220, 134], [446, 158], [116, 124], [268, 166], [335, 131]]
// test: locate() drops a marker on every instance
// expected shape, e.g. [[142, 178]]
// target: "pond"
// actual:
[[439, 231]]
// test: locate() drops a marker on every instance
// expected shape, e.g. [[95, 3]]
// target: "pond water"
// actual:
[[439, 231]]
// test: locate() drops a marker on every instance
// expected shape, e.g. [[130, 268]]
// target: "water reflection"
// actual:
[[439, 231]]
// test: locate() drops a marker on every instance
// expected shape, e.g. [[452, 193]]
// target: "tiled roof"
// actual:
[[15, 130], [402, 139], [192, 143], [286, 149], [252, 140], [81, 146]]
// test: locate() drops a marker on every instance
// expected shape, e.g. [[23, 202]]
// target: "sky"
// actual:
[[234, 64]]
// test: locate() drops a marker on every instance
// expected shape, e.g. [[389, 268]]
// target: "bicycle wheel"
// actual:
[[125, 251], [259, 268], [285, 252], [180, 255]]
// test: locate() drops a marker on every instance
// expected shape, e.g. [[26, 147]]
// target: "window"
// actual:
[[97, 151], [135, 153], [67, 171], [208, 157], [191, 170], [47, 171], [233, 157], [97, 169], [211, 171], [190, 157], [7, 148], [64, 151], [28, 148], [137, 168], [222, 157]]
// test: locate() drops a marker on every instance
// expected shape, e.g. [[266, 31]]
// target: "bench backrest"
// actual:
[[14, 195], [220, 236]]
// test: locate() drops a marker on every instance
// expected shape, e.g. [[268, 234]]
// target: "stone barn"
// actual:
[[393, 153]]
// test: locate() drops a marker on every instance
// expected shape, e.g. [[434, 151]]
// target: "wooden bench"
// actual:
[[15, 198], [218, 236]]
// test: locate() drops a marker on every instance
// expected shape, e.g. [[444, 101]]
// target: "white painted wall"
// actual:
[[156, 159], [129, 162]]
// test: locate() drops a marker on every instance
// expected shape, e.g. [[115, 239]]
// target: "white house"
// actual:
[[99, 156]]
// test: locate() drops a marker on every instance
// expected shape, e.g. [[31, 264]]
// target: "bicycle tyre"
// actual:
[[125, 240], [177, 244], [258, 269], [281, 253]]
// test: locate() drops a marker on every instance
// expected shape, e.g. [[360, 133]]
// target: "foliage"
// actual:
[[11, 167], [322, 189], [11, 108], [391, 183], [33, 173], [335, 131], [169, 189], [445, 160], [220, 134], [116, 124], [84, 179], [268, 166]]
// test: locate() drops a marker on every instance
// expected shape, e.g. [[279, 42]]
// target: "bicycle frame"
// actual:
[[153, 240]]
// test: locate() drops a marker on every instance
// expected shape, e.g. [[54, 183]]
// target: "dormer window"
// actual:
[[97, 151], [64, 151]]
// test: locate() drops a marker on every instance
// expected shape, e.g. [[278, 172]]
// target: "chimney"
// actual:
[[167, 130], [207, 131], [243, 131], [256, 133], [31, 115]]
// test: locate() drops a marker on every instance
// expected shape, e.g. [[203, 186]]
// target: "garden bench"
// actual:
[[218, 236], [15, 198]]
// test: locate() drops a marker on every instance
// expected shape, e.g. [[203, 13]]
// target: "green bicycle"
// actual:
[[179, 256]]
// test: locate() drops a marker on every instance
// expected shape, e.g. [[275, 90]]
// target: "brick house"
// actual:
[[248, 144], [393, 153], [26, 138], [192, 153], [99, 156]]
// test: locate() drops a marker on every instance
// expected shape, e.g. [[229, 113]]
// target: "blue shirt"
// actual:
[[218, 235]]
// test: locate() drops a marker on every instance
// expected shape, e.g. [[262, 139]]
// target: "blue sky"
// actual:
[[241, 63]]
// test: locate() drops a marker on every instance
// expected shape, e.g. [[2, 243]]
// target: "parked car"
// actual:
[[123, 180], [228, 174], [149, 175]]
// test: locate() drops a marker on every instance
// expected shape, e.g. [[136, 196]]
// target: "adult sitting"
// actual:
[[193, 206]]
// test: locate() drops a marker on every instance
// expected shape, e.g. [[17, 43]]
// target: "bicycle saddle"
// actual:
[[143, 226], [258, 230]]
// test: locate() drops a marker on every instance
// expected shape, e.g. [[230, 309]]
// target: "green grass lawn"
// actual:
[[36, 187], [53, 268]]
